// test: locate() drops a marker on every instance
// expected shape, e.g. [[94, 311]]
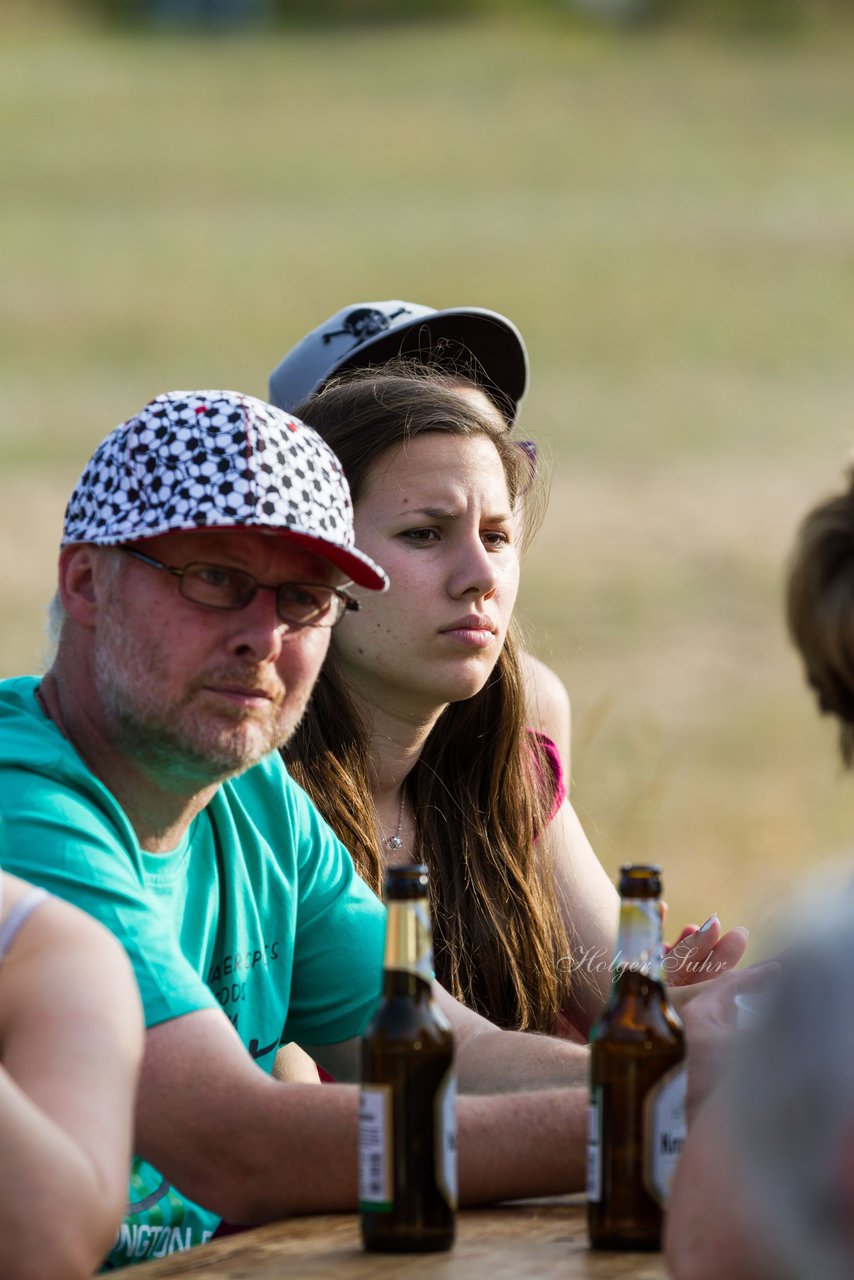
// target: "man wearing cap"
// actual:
[[202, 566], [488, 354], [204, 558]]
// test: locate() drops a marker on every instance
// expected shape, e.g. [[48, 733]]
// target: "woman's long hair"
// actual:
[[483, 787]]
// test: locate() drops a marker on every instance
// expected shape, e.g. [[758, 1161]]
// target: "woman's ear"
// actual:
[[81, 582]]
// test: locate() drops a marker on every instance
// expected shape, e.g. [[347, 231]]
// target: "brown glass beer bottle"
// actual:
[[637, 1097], [407, 1120]]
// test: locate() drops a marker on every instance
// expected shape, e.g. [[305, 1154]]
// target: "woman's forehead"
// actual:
[[437, 463]]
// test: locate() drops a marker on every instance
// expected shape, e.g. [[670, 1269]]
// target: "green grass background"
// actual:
[[668, 215]]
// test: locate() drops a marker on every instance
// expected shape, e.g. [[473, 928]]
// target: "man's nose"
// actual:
[[259, 632]]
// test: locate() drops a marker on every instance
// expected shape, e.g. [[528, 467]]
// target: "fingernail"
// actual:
[[704, 928]]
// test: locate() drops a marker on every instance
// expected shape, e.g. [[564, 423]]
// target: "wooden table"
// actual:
[[546, 1239]]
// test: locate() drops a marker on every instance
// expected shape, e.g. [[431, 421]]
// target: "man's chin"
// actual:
[[202, 754], [227, 759], [240, 749]]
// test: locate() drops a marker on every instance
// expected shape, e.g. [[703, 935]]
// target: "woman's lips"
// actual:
[[474, 631]]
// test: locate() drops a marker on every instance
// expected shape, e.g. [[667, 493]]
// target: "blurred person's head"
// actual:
[[820, 607], [791, 1087]]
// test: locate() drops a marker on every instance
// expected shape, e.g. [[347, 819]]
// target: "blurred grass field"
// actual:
[[669, 218]]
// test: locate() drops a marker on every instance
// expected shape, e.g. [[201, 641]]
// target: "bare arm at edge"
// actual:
[[71, 1036]]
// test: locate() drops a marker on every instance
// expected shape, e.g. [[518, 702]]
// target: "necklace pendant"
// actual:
[[394, 842]]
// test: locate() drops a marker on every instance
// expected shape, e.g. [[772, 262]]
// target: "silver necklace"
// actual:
[[396, 841]]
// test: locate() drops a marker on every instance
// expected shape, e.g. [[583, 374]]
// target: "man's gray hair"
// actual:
[[55, 619], [56, 615]]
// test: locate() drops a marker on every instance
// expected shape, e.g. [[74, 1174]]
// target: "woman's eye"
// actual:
[[419, 535], [495, 538]]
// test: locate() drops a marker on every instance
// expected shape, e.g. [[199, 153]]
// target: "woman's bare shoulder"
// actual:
[[549, 708]]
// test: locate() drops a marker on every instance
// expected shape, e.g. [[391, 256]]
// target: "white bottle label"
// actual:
[[639, 945], [375, 1147], [594, 1147], [446, 1138], [664, 1129]]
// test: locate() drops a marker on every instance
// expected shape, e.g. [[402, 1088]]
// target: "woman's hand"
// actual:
[[702, 953]]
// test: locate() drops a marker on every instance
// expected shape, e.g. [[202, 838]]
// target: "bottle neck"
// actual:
[[408, 946], [640, 944]]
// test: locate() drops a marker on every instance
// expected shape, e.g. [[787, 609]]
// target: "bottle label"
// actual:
[[664, 1130], [445, 1157], [376, 1193], [639, 942], [594, 1147], [409, 939]]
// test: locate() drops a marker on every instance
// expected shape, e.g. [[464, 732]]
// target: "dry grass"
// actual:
[[696, 745], [669, 221]]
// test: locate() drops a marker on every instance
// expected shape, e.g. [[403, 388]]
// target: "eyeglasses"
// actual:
[[217, 586]]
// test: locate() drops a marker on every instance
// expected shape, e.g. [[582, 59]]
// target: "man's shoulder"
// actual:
[[283, 819], [17, 695], [45, 786], [25, 733]]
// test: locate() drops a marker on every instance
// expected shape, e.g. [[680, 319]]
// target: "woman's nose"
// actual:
[[475, 571]]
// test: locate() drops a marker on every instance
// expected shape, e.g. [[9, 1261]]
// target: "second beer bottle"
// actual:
[[637, 1100], [407, 1121]]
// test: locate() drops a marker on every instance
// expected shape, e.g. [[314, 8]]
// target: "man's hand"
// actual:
[[708, 1012]]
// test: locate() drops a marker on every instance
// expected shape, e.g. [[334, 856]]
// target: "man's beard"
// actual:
[[183, 741]]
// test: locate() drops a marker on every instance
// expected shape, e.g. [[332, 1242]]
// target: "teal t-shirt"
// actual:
[[258, 912]]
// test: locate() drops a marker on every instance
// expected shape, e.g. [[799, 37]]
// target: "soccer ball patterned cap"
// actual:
[[476, 343], [218, 460]]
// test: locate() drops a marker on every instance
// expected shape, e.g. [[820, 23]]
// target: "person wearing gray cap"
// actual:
[[207, 553], [480, 345], [487, 354]]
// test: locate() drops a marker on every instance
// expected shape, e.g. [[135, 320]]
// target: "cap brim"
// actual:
[[358, 567], [494, 343]]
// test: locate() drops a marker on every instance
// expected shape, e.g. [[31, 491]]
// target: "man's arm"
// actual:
[[252, 1148]]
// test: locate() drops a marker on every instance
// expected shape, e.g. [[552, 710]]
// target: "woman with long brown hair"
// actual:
[[416, 744]]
